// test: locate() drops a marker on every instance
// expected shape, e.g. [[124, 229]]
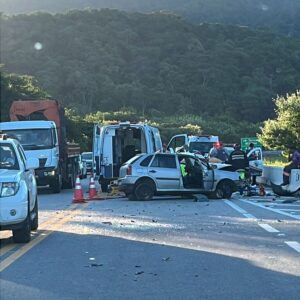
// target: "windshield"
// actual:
[[33, 139], [202, 147], [8, 159], [87, 156]]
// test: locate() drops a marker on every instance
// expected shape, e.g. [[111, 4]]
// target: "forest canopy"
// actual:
[[157, 64], [280, 16]]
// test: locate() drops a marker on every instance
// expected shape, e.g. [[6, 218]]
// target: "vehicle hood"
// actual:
[[8, 175]]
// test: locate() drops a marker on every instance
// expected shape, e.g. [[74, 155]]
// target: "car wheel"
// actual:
[[35, 221], [22, 235], [57, 184], [144, 191], [223, 190]]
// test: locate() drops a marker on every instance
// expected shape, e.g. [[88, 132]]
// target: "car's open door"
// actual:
[[176, 142], [106, 159], [255, 159]]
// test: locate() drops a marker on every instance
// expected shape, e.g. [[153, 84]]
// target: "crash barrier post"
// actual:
[[78, 193]]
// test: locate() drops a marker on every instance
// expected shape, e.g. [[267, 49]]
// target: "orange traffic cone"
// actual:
[[92, 188], [78, 193]]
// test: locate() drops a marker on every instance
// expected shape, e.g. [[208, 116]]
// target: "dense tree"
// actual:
[[157, 64], [283, 132], [13, 87], [281, 16]]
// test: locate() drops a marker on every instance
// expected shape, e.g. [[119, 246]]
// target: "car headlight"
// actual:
[[9, 189]]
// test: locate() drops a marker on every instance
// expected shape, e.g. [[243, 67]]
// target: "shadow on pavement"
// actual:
[[78, 266]]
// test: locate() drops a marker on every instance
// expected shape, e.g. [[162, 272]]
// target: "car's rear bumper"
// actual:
[[126, 188]]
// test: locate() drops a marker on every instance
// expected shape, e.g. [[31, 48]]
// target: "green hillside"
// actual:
[[281, 16], [157, 64]]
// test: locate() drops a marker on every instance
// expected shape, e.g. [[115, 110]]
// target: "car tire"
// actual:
[[104, 187], [35, 221], [223, 190], [57, 184], [22, 235], [144, 190]]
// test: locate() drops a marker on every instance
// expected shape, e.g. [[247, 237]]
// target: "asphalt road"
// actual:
[[168, 248]]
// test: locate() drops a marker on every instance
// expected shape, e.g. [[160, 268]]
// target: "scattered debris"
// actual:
[[93, 265], [166, 258], [154, 221], [139, 273], [107, 223], [132, 221], [137, 266]]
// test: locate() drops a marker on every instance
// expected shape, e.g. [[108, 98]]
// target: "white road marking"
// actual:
[[249, 216], [294, 245], [267, 227], [289, 209], [271, 209], [235, 207]]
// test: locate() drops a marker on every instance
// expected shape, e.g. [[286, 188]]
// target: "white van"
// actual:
[[200, 144], [114, 144]]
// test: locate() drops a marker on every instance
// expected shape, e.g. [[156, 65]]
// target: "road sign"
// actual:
[[246, 141]]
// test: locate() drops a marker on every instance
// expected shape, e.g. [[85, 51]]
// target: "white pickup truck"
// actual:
[[18, 198]]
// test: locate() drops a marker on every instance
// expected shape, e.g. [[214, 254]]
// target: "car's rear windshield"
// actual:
[[8, 158], [133, 159]]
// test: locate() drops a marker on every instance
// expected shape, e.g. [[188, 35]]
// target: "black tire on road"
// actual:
[[57, 184], [223, 190], [35, 222], [104, 187], [22, 235], [144, 190], [72, 179]]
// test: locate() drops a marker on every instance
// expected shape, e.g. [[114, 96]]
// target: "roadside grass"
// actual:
[[275, 161]]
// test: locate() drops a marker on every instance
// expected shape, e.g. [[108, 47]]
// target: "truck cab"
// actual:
[[39, 140], [114, 144]]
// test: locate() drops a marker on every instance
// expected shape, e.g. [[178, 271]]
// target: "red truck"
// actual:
[[59, 163]]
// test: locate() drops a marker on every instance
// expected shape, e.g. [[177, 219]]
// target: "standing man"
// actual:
[[238, 158], [218, 152], [294, 164], [250, 158]]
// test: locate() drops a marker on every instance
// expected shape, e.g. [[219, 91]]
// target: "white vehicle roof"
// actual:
[[125, 124], [27, 125], [203, 138]]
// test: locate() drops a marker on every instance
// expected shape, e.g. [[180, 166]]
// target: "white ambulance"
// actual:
[[114, 144]]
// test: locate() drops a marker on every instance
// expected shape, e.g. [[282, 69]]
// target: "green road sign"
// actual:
[[246, 141]]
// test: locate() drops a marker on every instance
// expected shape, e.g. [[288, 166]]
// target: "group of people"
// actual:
[[237, 158]]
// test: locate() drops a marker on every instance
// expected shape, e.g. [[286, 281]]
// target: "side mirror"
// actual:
[[32, 163]]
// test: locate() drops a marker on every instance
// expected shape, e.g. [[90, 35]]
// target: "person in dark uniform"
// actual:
[[238, 159], [294, 164]]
